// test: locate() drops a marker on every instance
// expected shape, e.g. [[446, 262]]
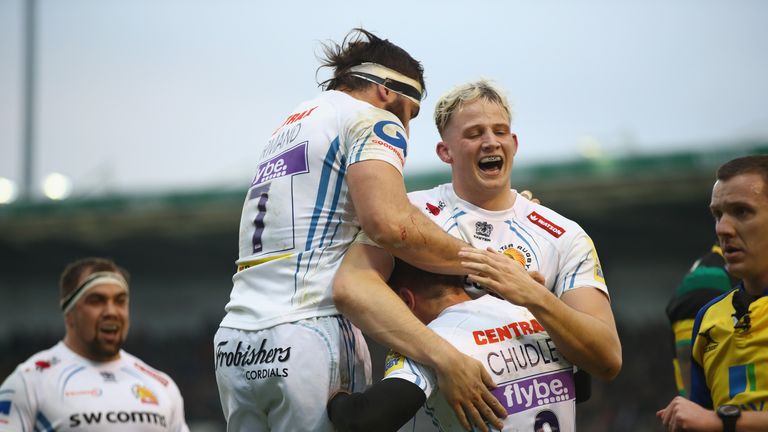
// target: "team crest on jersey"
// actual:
[[483, 230], [393, 362], [435, 209], [519, 253], [144, 394]]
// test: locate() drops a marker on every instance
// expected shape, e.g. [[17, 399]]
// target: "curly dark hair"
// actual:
[[361, 46]]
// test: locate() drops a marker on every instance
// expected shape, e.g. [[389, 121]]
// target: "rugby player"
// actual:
[[87, 382], [570, 299], [332, 166]]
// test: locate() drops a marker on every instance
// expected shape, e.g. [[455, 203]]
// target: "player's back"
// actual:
[[297, 219], [535, 382]]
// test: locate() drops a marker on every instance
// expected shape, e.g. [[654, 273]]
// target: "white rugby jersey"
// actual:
[[534, 382], [298, 219], [58, 390], [533, 235]]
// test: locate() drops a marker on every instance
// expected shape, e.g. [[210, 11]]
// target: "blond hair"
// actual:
[[461, 95]]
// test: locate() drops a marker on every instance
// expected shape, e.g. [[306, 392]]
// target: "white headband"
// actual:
[[390, 79], [98, 278]]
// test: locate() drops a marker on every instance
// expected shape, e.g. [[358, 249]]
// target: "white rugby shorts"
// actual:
[[280, 378]]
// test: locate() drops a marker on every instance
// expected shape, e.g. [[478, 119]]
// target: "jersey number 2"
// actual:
[[546, 421]]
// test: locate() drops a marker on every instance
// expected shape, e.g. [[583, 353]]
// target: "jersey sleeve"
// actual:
[[580, 267], [397, 365], [385, 406], [377, 135], [699, 390], [178, 421], [18, 406]]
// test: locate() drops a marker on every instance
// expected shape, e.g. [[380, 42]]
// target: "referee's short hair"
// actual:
[[754, 164]]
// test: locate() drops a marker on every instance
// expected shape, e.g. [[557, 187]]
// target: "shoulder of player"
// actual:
[[547, 222], [423, 196], [719, 307], [45, 362], [482, 311], [139, 365], [432, 202], [355, 110]]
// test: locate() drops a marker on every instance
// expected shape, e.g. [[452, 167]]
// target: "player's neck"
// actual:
[[78, 348], [756, 286], [451, 299], [366, 94], [487, 199]]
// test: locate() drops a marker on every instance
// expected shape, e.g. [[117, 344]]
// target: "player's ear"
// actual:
[[69, 320], [384, 93], [444, 153], [514, 136], [408, 297]]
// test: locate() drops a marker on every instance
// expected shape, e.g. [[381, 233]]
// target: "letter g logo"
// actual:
[[398, 140]]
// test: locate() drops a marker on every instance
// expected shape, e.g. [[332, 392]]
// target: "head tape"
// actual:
[[390, 79], [98, 278]]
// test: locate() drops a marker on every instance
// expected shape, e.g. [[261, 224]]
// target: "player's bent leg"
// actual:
[[327, 354], [244, 399]]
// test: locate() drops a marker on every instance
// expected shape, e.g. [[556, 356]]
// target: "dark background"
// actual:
[[648, 217]]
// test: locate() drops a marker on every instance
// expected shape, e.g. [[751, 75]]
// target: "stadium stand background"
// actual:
[[648, 216]]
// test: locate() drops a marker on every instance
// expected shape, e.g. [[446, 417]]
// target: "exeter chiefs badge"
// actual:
[[520, 254], [483, 231]]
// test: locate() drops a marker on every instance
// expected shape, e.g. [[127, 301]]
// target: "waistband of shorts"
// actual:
[[252, 263]]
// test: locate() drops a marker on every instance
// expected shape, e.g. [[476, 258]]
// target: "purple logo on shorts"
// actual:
[[289, 162], [533, 392]]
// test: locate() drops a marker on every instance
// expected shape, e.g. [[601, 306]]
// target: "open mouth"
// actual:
[[109, 329], [491, 163]]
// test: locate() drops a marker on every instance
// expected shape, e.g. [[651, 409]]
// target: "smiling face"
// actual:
[[740, 208], [480, 147], [97, 325]]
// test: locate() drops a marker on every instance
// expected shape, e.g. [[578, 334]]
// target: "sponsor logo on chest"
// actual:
[[545, 224], [117, 417]]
